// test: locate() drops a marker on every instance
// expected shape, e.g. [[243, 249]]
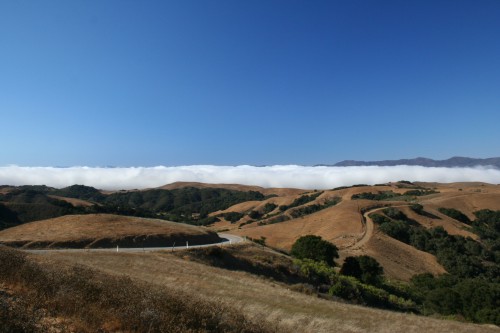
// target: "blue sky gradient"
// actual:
[[144, 83]]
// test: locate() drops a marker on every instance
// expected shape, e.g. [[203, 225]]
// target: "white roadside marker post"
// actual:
[[117, 248], [187, 245]]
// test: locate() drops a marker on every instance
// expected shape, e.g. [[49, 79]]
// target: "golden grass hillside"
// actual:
[[343, 224], [270, 302], [237, 187], [104, 230], [43, 295]]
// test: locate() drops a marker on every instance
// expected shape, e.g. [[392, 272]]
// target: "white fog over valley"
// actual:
[[306, 177]]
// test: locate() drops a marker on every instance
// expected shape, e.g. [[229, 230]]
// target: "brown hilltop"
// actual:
[[104, 230], [236, 187], [342, 224]]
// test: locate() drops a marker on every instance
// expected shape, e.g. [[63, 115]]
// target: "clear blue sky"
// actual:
[[143, 83]]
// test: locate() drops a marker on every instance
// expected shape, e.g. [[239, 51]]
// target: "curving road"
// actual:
[[368, 226], [228, 239]]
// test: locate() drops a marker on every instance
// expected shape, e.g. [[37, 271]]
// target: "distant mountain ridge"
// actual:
[[453, 162]]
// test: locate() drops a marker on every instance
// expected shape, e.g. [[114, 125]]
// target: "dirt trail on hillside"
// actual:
[[368, 227]]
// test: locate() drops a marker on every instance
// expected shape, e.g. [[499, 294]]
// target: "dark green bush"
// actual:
[[375, 196], [455, 214], [379, 218], [315, 248], [418, 193], [306, 210], [269, 207], [254, 215], [302, 200], [364, 268], [395, 214], [233, 216]]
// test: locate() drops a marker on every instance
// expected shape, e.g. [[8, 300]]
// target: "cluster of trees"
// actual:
[[419, 193], [182, 204], [31, 204], [189, 205], [455, 214], [475, 299], [388, 195], [269, 207], [257, 215], [471, 289], [276, 219], [294, 213], [355, 185], [364, 268], [254, 215], [375, 196], [315, 248], [233, 216], [82, 192], [302, 200], [306, 210], [360, 279], [487, 226], [460, 256]]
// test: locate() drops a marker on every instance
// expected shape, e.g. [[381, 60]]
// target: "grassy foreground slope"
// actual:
[[104, 230], [273, 303], [42, 295]]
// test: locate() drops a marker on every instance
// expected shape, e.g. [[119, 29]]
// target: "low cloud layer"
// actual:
[[270, 176]]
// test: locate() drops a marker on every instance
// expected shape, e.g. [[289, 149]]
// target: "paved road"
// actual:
[[227, 240]]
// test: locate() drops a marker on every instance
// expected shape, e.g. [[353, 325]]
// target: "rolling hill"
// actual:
[[342, 224], [104, 230], [437, 244]]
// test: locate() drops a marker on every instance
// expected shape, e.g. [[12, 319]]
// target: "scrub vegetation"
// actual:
[[189, 205], [36, 296], [471, 289]]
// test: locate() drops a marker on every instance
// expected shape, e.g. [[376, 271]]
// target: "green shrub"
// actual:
[[395, 214], [364, 268], [397, 229], [269, 207], [418, 193], [233, 216], [379, 218], [254, 215], [455, 214], [306, 210], [277, 219], [315, 248], [346, 288], [315, 271], [375, 196], [349, 288], [302, 200], [417, 208]]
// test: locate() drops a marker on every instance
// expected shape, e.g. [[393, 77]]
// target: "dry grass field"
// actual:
[[342, 224], [40, 295], [262, 302], [259, 298], [103, 230], [73, 201]]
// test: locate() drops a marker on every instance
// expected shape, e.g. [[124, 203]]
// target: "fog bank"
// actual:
[[321, 177]]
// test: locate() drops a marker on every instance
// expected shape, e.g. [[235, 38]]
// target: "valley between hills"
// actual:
[[427, 256]]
